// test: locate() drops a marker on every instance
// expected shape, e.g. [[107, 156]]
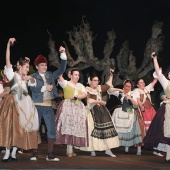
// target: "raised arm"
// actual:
[[9, 44], [155, 62], [109, 82], [61, 81], [154, 82], [162, 79], [60, 78], [61, 69]]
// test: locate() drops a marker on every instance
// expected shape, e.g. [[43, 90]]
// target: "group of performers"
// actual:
[[88, 127]]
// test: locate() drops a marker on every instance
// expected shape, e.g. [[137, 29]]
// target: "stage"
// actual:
[[83, 160]]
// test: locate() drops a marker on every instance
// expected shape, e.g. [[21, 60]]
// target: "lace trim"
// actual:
[[96, 91], [73, 119]]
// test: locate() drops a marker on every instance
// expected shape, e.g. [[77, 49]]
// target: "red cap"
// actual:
[[40, 59]]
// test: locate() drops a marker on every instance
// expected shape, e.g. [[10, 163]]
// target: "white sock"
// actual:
[[139, 149], [167, 152], [69, 149], [7, 154], [43, 129], [93, 153], [109, 152], [126, 149], [13, 153]]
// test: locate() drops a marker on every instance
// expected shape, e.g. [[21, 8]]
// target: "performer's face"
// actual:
[[69, 74], [127, 87], [25, 69], [94, 82], [42, 68], [75, 76], [141, 84]]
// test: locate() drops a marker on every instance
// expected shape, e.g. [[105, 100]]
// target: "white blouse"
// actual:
[[10, 74], [146, 91]]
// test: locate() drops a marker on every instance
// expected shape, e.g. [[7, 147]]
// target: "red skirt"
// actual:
[[148, 116]]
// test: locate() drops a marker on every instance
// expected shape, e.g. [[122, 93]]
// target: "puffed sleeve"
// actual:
[[149, 87], [136, 93], [9, 72], [164, 82], [84, 89], [62, 83]]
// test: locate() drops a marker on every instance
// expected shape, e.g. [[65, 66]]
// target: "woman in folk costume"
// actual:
[[71, 116], [145, 111], [126, 120], [159, 131], [4, 86], [101, 130], [152, 131], [18, 115]]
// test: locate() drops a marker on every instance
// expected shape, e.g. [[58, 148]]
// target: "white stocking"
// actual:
[[69, 149], [167, 152], [7, 154], [93, 153], [126, 149], [109, 152], [139, 149], [13, 153]]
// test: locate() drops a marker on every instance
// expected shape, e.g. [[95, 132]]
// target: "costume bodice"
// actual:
[[70, 90], [95, 93], [126, 103]]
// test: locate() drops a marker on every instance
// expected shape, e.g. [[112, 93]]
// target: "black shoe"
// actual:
[[44, 137], [168, 161], [51, 157], [13, 159], [34, 156], [5, 160]]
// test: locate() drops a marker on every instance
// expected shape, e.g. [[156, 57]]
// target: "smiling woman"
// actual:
[[125, 118], [23, 124], [71, 120], [102, 134]]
